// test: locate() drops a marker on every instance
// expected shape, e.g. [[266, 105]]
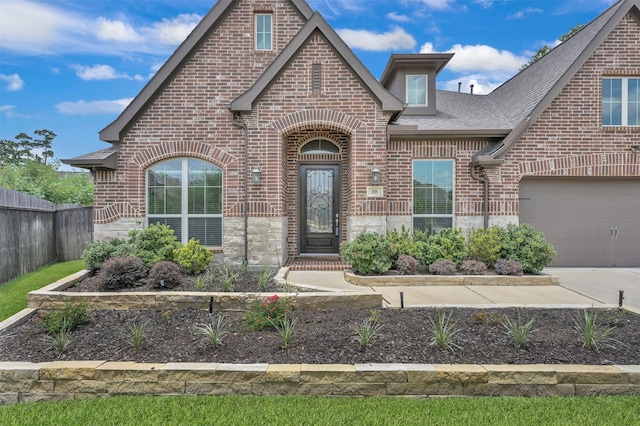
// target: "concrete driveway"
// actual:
[[601, 284]]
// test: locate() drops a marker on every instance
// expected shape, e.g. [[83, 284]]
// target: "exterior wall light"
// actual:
[[256, 176], [375, 176], [635, 148]]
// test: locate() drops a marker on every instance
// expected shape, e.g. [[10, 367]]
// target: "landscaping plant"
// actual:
[[263, 313], [122, 272], [68, 318], [138, 334], [368, 254], [528, 246], [518, 330], [285, 327], [593, 334], [443, 267], [213, 333], [99, 252], [153, 244], [193, 257], [473, 267], [443, 332], [166, 275], [406, 264], [508, 267], [60, 339], [365, 332], [485, 245], [448, 244], [263, 279]]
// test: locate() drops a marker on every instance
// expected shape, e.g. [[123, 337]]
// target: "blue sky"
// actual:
[[71, 66]]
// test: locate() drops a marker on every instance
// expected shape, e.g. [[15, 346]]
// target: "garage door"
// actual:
[[590, 221]]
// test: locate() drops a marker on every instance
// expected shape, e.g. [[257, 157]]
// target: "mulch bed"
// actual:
[[326, 337]]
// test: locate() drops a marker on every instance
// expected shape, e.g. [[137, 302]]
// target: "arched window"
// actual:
[[186, 195], [319, 146]]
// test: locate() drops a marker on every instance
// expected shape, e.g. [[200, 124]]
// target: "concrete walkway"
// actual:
[[579, 288]]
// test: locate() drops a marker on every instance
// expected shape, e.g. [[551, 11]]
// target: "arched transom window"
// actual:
[[319, 146], [186, 195]]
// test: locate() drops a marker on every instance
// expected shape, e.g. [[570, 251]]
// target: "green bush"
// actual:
[[100, 251], [528, 246], [403, 243], [193, 257], [368, 254], [448, 244], [263, 314], [166, 274], [68, 318], [485, 245], [122, 272], [153, 244]]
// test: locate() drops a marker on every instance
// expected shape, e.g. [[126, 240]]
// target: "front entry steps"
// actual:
[[316, 263]]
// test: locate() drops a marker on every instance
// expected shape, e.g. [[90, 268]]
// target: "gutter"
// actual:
[[237, 120], [485, 182]]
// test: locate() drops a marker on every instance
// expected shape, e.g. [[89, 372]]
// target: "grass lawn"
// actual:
[[13, 295], [252, 410]]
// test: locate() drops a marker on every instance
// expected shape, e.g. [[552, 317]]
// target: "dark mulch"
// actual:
[[326, 337]]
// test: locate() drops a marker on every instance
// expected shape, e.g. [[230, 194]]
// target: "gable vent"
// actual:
[[316, 78]]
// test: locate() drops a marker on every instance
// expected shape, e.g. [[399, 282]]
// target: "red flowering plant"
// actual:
[[263, 313]]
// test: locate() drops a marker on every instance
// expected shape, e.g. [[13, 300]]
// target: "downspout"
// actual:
[[485, 181], [238, 121]]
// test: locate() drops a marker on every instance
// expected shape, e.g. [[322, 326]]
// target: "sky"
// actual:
[[71, 66]]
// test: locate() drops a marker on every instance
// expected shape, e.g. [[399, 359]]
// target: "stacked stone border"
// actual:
[[64, 380], [52, 381], [448, 280]]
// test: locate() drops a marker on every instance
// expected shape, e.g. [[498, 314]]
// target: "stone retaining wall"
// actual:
[[448, 280], [52, 381]]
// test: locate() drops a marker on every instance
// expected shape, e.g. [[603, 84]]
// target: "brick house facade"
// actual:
[[305, 114]]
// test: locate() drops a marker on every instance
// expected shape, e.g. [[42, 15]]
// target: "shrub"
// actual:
[[508, 267], [365, 333], [447, 244], [122, 272], [263, 314], [443, 332], [168, 273], [406, 264], [528, 246], [100, 251], [443, 267], [193, 257], [473, 267], [485, 245], [368, 254], [153, 244], [403, 243], [518, 330], [66, 319]]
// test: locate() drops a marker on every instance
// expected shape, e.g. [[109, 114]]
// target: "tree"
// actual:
[[545, 49], [27, 148]]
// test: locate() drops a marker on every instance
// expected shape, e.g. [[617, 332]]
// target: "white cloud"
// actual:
[[174, 31], [102, 72], [524, 12], [484, 3], [480, 57], [93, 107], [36, 28], [14, 82], [9, 112], [436, 4], [116, 31], [482, 83], [395, 39], [397, 17]]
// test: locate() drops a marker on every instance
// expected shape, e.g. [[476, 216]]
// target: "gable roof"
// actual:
[[525, 96], [246, 101], [113, 132]]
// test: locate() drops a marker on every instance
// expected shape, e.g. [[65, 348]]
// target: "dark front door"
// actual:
[[319, 211]]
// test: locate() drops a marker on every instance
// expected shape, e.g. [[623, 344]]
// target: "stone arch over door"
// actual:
[[296, 130]]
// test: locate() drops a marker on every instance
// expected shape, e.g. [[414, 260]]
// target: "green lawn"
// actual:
[[252, 410], [13, 295]]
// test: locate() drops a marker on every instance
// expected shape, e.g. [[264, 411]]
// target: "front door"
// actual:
[[319, 209]]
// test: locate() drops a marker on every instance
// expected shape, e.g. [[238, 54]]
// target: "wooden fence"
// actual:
[[35, 232]]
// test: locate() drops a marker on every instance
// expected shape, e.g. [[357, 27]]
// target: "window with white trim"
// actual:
[[433, 195], [417, 90], [186, 195], [621, 101], [264, 31]]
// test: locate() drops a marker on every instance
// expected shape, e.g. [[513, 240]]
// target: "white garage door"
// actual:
[[590, 221]]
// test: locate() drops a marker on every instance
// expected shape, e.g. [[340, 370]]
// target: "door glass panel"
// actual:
[[319, 201]]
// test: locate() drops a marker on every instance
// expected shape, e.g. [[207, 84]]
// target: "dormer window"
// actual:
[[264, 31], [417, 90]]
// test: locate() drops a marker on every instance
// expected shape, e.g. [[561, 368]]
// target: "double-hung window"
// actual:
[[264, 31], [433, 195], [417, 90], [186, 195], [621, 101]]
